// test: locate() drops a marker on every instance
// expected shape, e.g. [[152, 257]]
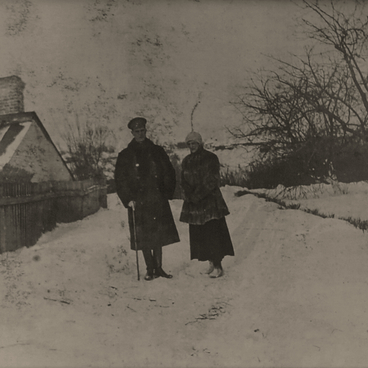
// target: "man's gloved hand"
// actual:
[[132, 205]]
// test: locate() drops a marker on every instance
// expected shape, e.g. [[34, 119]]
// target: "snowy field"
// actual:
[[294, 295]]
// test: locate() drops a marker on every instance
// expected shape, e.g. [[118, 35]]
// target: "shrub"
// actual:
[[86, 145], [237, 177], [14, 174], [289, 171], [350, 163]]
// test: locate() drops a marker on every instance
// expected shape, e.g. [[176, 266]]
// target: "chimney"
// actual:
[[11, 95]]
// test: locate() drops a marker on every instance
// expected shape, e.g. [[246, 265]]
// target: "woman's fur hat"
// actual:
[[194, 136]]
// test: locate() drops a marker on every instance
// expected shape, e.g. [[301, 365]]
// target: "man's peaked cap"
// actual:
[[137, 123]]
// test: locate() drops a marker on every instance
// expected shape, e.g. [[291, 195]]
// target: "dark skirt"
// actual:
[[210, 241]]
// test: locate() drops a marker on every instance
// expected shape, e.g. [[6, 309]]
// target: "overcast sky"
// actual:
[[111, 60]]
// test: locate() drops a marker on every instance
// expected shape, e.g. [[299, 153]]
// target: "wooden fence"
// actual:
[[27, 210]]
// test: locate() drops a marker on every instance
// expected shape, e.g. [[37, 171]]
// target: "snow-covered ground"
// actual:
[[294, 295]]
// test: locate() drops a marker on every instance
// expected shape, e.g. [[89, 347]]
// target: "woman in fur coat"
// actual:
[[204, 208]]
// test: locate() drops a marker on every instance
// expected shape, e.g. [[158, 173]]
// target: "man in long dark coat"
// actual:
[[145, 181]]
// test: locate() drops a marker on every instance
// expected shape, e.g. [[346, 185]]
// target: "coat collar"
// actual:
[[145, 144]]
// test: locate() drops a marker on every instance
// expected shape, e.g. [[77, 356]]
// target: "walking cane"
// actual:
[[135, 239]]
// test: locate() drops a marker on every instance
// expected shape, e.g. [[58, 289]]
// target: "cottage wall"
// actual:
[[11, 95], [36, 155]]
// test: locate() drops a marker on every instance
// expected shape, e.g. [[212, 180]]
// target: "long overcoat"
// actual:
[[144, 174], [200, 181]]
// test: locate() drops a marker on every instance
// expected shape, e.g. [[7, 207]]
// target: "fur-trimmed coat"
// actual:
[[200, 181], [144, 174]]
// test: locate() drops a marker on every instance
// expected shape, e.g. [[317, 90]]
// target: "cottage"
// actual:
[[27, 153]]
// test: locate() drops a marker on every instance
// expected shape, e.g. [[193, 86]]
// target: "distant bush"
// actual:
[[350, 163], [288, 171], [11, 174], [86, 144], [236, 177], [332, 161]]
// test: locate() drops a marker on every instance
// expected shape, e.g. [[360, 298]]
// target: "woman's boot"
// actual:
[[218, 271], [211, 267]]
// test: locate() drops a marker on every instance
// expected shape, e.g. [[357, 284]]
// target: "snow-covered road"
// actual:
[[293, 295]]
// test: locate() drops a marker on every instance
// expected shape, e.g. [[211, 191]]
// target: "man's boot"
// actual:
[[148, 258], [157, 254]]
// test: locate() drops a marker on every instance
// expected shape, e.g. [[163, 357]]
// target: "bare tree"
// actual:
[[306, 111], [346, 34]]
